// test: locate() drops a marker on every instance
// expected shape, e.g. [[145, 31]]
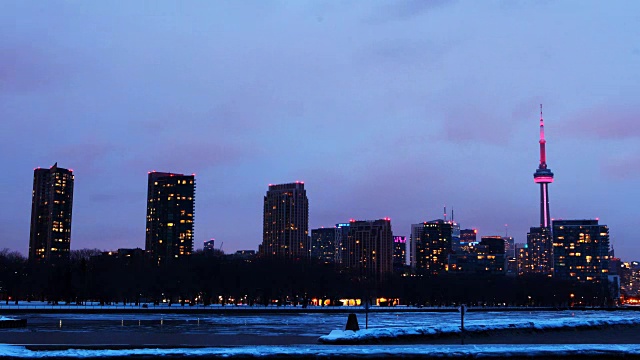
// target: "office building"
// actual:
[[170, 216], [286, 221], [581, 250], [51, 208]]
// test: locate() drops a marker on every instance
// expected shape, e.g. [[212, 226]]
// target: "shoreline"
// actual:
[[233, 309]]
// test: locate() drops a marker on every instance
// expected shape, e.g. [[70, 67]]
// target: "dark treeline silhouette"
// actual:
[[91, 275]]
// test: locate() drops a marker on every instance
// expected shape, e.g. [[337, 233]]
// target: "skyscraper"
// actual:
[[51, 207], [170, 215], [369, 248], [581, 250], [286, 221]]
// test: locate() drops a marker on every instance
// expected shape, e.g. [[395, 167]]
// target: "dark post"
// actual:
[[366, 312], [463, 309]]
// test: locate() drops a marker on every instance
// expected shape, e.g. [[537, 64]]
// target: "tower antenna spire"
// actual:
[[544, 177]]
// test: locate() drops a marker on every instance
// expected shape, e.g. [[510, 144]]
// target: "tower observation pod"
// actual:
[[544, 177]]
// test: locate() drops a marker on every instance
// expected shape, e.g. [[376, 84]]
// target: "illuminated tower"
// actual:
[[544, 177], [539, 241], [52, 201]]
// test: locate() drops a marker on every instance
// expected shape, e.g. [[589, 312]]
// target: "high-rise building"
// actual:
[[369, 248], [342, 235], [399, 252], [209, 245], [488, 257], [51, 207], [456, 235], [581, 250], [431, 242], [286, 221], [539, 251], [509, 246], [170, 215], [510, 255], [323, 244], [468, 239]]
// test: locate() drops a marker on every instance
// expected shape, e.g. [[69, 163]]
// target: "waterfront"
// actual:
[[266, 328]]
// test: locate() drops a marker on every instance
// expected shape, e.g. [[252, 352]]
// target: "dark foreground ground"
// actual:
[[613, 342]]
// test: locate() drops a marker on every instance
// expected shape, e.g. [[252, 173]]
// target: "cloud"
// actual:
[[86, 156], [25, 69], [604, 122], [407, 9], [469, 122], [624, 168], [189, 157]]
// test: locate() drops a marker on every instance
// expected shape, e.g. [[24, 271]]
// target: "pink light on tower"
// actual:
[[544, 177]]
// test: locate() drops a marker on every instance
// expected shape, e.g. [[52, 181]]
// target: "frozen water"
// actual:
[[459, 351], [489, 322]]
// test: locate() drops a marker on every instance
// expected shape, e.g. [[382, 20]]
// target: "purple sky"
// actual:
[[382, 108]]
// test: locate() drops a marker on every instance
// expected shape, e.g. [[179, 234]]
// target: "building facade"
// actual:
[[51, 209], [487, 257], [432, 243], [286, 222], [399, 252], [323, 245], [369, 248], [581, 250], [170, 216], [539, 251]]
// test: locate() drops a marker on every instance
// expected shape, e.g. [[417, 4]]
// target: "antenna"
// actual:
[[445, 213], [452, 214], [506, 230], [543, 153]]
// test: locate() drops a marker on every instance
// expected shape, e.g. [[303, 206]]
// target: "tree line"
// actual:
[[205, 278]]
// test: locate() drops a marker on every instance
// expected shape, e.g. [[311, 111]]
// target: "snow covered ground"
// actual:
[[319, 351], [557, 323], [305, 324]]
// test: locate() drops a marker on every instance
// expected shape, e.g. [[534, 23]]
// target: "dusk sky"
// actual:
[[384, 109]]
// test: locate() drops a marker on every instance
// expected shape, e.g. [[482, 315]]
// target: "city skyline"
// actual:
[[406, 108]]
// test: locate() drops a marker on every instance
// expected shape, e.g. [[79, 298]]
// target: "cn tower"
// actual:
[[544, 177]]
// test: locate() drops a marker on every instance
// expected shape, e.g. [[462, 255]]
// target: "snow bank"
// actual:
[[380, 334], [361, 351]]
